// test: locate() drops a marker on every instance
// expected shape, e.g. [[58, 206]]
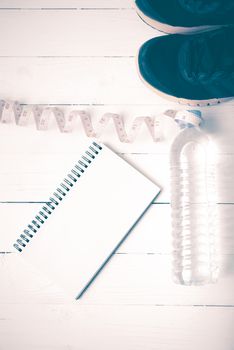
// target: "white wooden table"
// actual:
[[80, 54]]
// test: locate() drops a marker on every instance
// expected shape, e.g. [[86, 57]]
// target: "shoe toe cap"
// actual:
[[158, 66]]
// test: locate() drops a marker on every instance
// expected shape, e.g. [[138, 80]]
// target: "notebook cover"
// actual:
[[99, 204]]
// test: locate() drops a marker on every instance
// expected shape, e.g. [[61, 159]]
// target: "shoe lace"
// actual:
[[204, 61]]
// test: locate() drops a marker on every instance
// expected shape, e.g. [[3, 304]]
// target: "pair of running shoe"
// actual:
[[194, 65]]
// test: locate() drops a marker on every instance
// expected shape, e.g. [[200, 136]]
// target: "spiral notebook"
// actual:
[[86, 219]]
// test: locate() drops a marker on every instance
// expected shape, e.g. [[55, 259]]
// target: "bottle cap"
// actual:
[[188, 119]]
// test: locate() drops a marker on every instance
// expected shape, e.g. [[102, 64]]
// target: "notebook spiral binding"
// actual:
[[76, 172]]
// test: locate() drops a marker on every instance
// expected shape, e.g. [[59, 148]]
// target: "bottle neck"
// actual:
[[185, 136], [188, 119], [189, 126]]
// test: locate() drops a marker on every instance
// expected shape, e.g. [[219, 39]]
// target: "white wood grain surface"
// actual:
[[87, 33], [66, 4], [81, 54]]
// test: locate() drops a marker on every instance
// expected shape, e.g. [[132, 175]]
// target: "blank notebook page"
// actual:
[[102, 200]]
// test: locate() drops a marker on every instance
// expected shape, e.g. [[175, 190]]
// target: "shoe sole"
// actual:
[[166, 28], [183, 101]]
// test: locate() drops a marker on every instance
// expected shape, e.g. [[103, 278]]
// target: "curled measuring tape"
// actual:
[[13, 111]]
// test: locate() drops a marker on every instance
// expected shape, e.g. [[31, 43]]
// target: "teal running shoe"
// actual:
[[180, 16], [195, 69]]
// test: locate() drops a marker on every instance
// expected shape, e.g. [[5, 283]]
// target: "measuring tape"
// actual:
[[13, 111]]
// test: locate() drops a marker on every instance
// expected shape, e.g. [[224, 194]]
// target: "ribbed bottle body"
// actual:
[[194, 209]]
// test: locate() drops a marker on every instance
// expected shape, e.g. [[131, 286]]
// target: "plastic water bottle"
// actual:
[[193, 203]]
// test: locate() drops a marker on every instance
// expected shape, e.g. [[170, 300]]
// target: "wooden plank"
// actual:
[[139, 273], [38, 174], [85, 33], [147, 279], [66, 4], [115, 327], [32, 166], [152, 235], [128, 279], [86, 81], [77, 80]]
